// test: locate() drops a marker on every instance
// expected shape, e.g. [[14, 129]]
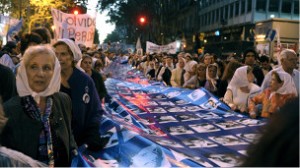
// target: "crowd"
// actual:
[[52, 93]]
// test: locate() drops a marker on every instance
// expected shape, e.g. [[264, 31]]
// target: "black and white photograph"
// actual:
[[209, 115], [224, 160], [250, 137], [199, 143], [179, 130], [211, 103], [175, 109], [166, 103], [181, 102], [187, 117], [228, 140], [173, 94], [165, 119], [250, 122], [226, 125], [192, 108], [168, 142], [156, 110], [204, 127]]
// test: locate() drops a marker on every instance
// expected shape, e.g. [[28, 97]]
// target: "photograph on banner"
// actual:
[[209, 115], [228, 140], [226, 125], [179, 130], [139, 52], [250, 137], [165, 119], [211, 103], [224, 160], [204, 127], [187, 117], [199, 143]]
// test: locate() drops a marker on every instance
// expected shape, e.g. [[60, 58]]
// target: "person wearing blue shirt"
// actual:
[[86, 106]]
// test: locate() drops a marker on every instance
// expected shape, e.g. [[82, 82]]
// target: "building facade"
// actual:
[[223, 26]]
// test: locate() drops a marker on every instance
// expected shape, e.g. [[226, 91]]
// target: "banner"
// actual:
[[13, 30], [154, 48], [81, 27], [151, 125]]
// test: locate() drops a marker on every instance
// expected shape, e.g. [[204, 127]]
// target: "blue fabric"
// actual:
[[151, 125]]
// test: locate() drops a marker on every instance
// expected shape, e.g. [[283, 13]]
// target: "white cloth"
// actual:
[[234, 95], [73, 47], [24, 89], [239, 78], [288, 86], [267, 79]]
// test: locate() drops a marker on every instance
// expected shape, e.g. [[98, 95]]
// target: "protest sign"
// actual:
[[81, 27]]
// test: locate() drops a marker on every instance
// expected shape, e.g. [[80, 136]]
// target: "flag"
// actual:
[[13, 29], [270, 35]]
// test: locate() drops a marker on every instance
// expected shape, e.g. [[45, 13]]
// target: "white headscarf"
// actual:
[[23, 87], [73, 47], [214, 79], [239, 78], [288, 86]]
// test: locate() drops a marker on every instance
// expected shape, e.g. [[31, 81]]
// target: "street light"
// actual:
[[142, 20]]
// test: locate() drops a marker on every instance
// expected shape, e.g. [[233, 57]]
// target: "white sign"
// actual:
[[81, 27], [154, 48]]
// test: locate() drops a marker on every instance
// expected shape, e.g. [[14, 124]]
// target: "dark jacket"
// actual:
[[86, 116], [7, 83], [99, 84], [22, 133]]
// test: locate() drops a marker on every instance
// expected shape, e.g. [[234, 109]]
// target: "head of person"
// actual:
[[265, 61], [212, 71], [188, 57], [288, 59], [30, 39], [282, 83], [39, 73], [10, 48], [241, 79], [207, 59], [169, 61], [181, 63], [44, 33], [250, 56], [201, 71], [98, 65], [86, 63], [67, 52], [230, 69], [193, 70]]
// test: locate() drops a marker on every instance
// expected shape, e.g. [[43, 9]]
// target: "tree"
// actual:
[[112, 37]]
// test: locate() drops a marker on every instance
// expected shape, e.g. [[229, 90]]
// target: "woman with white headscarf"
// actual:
[[39, 120], [281, 90], [240, 88], [86, 105], [212, 79]]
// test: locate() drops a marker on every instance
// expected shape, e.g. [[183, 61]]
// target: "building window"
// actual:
[[286, 6], [226, 12], [296, 7], [249, 5], [237, 7], [243, 7], [273, 5], [217, 15], [261, 5], [213, 17], [231, 10]]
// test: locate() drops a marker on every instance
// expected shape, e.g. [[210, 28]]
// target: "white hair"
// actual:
[[284, 54]]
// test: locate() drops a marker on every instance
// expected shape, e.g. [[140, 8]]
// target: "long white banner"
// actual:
[[81, 27], [154, 48]]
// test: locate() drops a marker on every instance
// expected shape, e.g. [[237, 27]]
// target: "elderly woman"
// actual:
[[281, 90], [201, 75], [212, 79], [86, 64], [86, 106], [39, 120], [191, 80], [240, 88]]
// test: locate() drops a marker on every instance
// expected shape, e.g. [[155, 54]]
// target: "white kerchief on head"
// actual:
[[77, 55], [288, 86], [239, 78], [24, 89]]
